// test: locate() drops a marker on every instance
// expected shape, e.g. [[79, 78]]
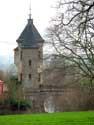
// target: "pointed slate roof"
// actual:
[[30, 37]]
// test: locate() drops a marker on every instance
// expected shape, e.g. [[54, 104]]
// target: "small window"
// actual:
[[39, 54], [20, 76], [21, 55], [29, 76], [29, 62], [39, 77]]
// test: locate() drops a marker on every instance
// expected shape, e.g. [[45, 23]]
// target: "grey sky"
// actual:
[[13, 18]]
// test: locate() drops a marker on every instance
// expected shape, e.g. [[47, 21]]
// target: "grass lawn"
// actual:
[[66, 118]]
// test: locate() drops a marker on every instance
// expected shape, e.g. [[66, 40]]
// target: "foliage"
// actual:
[[19, 104], [12, 106], [13, 99], [66, 118]]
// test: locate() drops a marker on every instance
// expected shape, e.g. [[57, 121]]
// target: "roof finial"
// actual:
[[30, 10]]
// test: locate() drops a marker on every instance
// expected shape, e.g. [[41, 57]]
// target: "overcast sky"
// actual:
[[13, 18]]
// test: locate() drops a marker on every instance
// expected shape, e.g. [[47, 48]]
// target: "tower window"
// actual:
[[39, 77], [29, 76], [21, 55], [20, 76], [29, 62], [39, 54]]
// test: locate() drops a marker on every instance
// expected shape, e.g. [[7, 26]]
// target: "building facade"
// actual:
[[28, 57]]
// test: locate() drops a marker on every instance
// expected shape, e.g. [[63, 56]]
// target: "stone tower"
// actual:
[[28, 57]]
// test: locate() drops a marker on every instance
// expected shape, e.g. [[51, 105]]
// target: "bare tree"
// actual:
[[72, 34]]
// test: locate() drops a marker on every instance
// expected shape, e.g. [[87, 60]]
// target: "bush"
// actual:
[[14, 104], [19, 104]]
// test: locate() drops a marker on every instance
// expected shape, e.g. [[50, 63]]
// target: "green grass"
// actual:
[[67, 118]]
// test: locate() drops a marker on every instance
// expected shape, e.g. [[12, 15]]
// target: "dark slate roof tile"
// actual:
[[30, 37]]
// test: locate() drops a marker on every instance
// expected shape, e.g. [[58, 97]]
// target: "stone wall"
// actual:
[[31, 75]]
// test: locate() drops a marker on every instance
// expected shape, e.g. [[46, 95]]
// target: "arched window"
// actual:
[[21, 55], [39, 54], [20, 76], [39, 77], [30, 62], [29, 76]]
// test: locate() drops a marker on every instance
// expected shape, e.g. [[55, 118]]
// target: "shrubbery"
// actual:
[[19, 104], [14, 104]]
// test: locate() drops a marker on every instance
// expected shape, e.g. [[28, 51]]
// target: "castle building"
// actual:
[[28, 56]]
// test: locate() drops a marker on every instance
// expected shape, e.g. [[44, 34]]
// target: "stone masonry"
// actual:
[[28, 57]]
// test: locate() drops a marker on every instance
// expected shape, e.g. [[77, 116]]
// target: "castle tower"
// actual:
[[28, 56]]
